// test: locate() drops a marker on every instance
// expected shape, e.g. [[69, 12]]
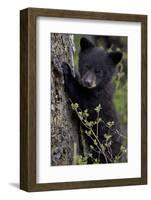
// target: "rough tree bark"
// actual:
[[64, 132]]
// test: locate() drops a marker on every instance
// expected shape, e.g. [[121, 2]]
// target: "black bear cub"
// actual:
[[93, 86]]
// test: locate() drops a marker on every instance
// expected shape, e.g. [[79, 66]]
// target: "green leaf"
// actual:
[[74, 106], [95, 142], [80, 113], [102, 147], [98, 108], [91, 147], [110, 124], [88, 132], [99, 120], [107, 137], [90, 124], [86, 110], [123, 149]]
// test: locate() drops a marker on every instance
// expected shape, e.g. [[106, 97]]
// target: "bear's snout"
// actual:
[[89, 80]]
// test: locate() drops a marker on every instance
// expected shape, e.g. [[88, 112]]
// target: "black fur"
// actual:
[[93, 86]]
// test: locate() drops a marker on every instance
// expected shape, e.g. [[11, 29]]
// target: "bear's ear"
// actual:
[[116, 57], [85, 44]]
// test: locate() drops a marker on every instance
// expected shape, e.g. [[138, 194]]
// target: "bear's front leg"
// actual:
[[71, 83], [66, 69]]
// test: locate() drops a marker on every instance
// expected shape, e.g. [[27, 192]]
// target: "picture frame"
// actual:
[[28, 98]]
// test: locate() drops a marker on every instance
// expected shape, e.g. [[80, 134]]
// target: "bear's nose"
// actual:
[[88, 82]]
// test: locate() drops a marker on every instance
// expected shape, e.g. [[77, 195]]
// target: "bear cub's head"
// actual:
[[96, 66]]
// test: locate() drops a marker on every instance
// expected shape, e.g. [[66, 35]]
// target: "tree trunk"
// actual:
[[64, 132]]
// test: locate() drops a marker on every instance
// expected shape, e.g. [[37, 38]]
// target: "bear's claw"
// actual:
[[65, 68]]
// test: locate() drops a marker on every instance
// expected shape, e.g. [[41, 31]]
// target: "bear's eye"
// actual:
[[88, 66], [97, 71]]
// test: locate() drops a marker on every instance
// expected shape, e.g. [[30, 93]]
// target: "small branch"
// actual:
[[97, 125], [74, 153]]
